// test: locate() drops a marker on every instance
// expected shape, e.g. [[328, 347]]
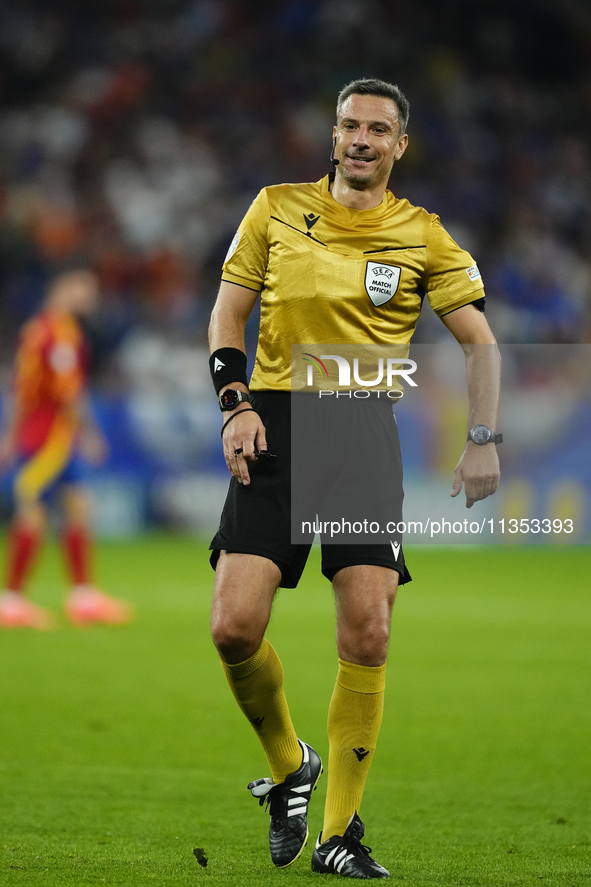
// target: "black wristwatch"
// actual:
[[482, 434], [229, 399]]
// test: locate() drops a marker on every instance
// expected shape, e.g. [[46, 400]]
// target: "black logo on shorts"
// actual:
[[361, 753]]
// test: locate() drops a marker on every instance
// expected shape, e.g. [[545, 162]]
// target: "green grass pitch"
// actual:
[[121, 750]]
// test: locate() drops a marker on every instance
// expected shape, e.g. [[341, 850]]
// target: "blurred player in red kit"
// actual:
[[49, 433]]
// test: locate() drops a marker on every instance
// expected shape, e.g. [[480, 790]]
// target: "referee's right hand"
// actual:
[[244, 434]]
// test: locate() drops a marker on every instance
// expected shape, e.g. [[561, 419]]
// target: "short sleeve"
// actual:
[[246, 260], [452, 278]]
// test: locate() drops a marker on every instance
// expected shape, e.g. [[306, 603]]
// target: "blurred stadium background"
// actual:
[[135, 133]]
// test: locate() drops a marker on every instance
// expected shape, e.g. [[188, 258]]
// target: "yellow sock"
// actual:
[[354, 719], [257, 685]]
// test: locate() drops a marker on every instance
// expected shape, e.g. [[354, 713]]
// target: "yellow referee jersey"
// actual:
[[327, 273]]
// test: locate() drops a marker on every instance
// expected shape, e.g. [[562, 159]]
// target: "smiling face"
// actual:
[[367, 141]]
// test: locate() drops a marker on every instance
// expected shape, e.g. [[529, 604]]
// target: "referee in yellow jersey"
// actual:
[[309, 252]]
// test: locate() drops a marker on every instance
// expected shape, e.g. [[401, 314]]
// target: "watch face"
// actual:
[[229, 399], [480, 434]]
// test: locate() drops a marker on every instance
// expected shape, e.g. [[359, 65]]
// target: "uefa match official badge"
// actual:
[[381, 282]]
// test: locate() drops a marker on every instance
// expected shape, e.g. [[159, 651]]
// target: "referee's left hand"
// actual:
[[478, 471], [244, 434]]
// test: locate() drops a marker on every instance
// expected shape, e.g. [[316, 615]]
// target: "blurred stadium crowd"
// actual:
[[135, 133]]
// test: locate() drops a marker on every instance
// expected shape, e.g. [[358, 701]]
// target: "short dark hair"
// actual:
[[67, 268], [381, 89], [72, 265]]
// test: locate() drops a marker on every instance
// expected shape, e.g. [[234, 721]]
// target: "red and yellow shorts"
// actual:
[[52, 463]]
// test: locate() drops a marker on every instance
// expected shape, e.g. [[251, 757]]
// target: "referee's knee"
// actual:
[[364, 645], [234, 642]]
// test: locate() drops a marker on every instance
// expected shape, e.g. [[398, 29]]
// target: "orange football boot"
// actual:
[[18, 612], [87, 606]]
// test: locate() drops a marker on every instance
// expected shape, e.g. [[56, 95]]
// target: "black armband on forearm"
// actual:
[[227, 365]]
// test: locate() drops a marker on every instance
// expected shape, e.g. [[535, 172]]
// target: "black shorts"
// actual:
[[256, 519]]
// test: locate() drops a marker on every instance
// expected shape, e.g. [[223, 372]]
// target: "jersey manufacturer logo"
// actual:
[[310, 220], [395, 549], [381, 282], [218, 364], [361, 753]]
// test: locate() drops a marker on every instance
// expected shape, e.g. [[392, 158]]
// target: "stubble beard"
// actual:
[[358, 183], [363, 182]]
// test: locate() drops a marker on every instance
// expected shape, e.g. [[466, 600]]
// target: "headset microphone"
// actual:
[[333, 159]]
